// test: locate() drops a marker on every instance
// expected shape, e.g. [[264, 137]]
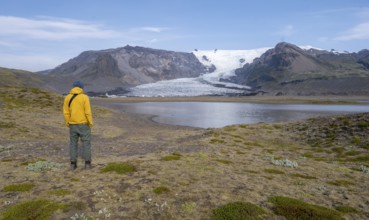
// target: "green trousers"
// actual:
[[82, 131]]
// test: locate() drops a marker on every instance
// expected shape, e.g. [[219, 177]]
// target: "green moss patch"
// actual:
[[7, 124], [120, 168], [36, 209], [238, 211], [174, 156], [60, 192], [214, 141], [341, 183], [293, 209], [274, 171], [161, 189], [358, 159], [19, 187], [346, 209], [224, 161], [303, 176]]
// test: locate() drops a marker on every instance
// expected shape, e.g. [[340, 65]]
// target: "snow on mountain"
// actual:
[[308, 47], [225, 62]]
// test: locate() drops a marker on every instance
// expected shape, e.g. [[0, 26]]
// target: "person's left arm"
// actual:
[[66, 111], [88, 112]]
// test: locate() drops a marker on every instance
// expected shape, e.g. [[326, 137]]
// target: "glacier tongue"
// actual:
[[225, 61], [183, 87]]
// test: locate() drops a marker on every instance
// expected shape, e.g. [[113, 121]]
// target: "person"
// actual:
[[78, 117]]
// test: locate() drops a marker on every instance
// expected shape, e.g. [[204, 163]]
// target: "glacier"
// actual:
[[225, 62]]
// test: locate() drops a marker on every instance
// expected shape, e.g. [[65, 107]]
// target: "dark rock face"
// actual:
[[290, 70], [363, 58], [124, 67]]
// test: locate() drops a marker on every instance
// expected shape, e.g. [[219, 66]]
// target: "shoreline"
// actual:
[[251, 99]]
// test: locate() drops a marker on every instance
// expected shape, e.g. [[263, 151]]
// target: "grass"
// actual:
[[355, 140], [273, 171], [303, 176], [238, 211], [19, 187], [7, 124], [173, 156], [346, 209], [75, 180], [161, 189], [224, 161], [352, 153], [120, 168], [363, 124], [188, 207], [359, 159], [293, 209], [341, 183], [26, 163], [34, 209], [251, 171], [60, 192], [220, 141], [26, 97]]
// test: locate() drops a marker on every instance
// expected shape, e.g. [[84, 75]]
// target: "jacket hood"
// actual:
[[76, 90]]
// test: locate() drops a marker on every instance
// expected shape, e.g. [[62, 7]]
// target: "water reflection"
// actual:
[[219, 114]]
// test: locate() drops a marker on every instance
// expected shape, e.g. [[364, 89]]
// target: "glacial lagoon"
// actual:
[[220, 114]]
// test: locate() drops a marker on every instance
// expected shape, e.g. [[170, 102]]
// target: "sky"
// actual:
[[42, 34]]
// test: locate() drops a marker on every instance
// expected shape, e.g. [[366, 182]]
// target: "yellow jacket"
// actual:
[[79, 111]]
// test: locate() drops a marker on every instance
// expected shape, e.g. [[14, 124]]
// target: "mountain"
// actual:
[[289, 70], [123, 68], [285, 69], [220, 65]]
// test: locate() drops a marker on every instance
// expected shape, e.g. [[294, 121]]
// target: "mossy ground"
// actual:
[[161, 189], [34, 209], [120, 168], [292, 208], [238, 211], [24, 187], [206, 174]]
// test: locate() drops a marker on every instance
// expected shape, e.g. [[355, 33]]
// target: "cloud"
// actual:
[[363, 13], [152, 41], [47, 28], [358, 32], [32, 62], [9, 44], [37, 43], [286, 31], [150, 29]]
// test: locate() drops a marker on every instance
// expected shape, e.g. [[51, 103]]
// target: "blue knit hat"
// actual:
[[78, 84]]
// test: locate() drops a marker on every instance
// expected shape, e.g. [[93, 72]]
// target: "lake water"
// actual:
[[220, 114]]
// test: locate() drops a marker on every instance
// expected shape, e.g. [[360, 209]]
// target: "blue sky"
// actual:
[[41, 34]]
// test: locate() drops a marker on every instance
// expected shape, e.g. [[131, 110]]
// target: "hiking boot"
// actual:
[[87, 165], [73, 165]]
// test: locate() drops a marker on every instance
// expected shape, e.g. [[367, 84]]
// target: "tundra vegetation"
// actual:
[[311, 169]]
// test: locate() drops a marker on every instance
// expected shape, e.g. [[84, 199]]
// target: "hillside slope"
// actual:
[[290, 70], [14, 77]]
